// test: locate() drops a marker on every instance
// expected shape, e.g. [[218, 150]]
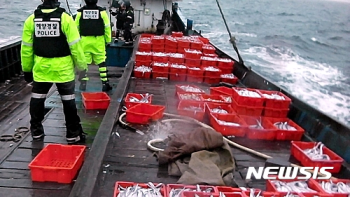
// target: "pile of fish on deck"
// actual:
[[277, 188], [181, 58]]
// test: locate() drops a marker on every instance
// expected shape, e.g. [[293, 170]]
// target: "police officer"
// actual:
[[94, 26], [125, 19], [49, 52], [128, 20], [120, 21]]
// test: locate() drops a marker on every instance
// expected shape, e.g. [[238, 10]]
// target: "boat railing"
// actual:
[[10, 59]]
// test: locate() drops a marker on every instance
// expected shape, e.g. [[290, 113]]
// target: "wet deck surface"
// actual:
[[128, 159], [15, 177]]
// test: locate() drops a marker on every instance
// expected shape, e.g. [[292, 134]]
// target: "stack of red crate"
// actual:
[[170, 44], [160, 70], [190, 108], [226, 65], [158, 43], [246, 105], [177, 72], [145, 44], [276, 108]]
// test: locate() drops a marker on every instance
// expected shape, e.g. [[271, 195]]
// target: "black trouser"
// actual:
[[37, 107], [127, 32]]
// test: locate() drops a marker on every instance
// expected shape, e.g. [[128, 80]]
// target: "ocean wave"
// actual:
[[308, 80], [2, 41], [336, 38], [285, 14]]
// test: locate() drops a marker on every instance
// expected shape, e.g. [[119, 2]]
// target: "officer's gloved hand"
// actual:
[[28, 77]]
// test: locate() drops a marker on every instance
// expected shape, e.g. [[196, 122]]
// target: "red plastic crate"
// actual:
[[197, 194], [212, 73], [158, 49], [160, 57], [176, 58], [226, 70], [227, 107], [203, 39], [176, 34], [316, 185], [212, 80], [129, 104], [227, 130], [192, 54], [143, 113], [297, 151], [194, 78], [208, 49], [145, 46], [196, 44], [275, 113], [169, 49], [271, 187], [183, 43], [262, 193], [178, 68], [57, 163], [158, 45], [156, 75], [195, 71], [268, 133], [143, 56], [199, 115], [226, 189], [274, 103], [221, 90], [130, 184], [227, 79], [225, 62], [171, 42], [95, 100], [245, 100], [193, 62], [158, 39], [214, 99], [177, 77], [210, 55], [160, 67], [179, 88], [169, 187], [142, 75], [194, 97], [208, 61], [285, 134], [246, 110], [143, 63]]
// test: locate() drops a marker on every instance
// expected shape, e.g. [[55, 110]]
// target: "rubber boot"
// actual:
[[106, 87], [37, 113]]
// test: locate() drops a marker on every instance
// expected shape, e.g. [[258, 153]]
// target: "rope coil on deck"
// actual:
[[16, 137]]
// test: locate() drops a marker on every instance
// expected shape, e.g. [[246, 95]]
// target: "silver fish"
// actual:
[[316, 153], [294, 186], [248, 93], [285, 126]]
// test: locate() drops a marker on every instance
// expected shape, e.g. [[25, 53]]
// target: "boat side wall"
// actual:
[[10, 60], [317, 124]]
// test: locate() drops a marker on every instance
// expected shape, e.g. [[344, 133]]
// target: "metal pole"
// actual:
[[232, 39]]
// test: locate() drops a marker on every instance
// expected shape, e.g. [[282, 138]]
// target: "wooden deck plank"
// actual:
[[16, 192], [14, 171]]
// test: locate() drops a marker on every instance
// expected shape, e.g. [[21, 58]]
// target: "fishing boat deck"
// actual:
[[128, 159], [15, 177]]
